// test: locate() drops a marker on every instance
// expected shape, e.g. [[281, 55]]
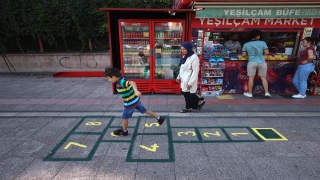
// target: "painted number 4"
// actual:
[[153, 149]]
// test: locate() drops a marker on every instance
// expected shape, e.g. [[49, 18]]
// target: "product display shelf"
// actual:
[[211, 80], [212, 62]]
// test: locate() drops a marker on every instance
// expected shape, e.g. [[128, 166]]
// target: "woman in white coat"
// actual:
[[188, 75]]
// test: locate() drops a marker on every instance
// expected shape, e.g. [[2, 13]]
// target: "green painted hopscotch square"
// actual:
[[185, 135], [213, 135], [148, 148], [269, 134], [93, 124], [152, 146], [241, 134], [62, 152], [77, 147]]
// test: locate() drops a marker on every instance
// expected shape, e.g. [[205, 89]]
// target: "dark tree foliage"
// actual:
[[61, 20]]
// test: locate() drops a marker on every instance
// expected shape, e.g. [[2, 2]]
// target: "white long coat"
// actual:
[[189, 74]]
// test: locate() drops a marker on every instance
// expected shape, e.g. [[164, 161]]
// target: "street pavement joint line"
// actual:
[[172, 114]]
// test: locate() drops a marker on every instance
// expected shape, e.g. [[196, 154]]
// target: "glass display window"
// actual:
[[168, 39], [136, 49]]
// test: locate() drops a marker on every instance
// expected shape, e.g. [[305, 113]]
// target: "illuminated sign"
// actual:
[[259, 13]]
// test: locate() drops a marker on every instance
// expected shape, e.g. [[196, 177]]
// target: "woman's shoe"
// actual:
[[201, 105], [185, 110]]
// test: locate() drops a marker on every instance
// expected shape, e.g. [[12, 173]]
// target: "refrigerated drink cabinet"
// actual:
[[150, 53]]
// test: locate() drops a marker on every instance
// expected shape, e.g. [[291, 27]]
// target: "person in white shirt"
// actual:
[[188, 76]]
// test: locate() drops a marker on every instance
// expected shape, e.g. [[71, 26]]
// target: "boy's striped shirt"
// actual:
[[126, 91]]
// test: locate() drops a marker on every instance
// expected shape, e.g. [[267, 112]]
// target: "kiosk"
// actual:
[[145, 43], [283, 27]]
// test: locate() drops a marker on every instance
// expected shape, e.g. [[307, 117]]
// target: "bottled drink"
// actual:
[[129, 60], [135, 72]]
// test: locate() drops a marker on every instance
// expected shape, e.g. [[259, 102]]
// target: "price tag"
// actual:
[[145, 34]]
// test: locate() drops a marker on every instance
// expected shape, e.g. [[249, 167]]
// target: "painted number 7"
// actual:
[[76, 144]]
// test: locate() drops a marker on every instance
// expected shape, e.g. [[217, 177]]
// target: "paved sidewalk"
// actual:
[[62, 129], [42, 93]]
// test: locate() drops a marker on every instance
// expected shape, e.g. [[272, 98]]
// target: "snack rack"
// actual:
[[212, 65]]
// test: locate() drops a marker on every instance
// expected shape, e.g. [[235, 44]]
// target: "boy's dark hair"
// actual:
[[255, 33], [109, 72]]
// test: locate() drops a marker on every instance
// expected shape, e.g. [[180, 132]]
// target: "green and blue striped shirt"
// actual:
[[126, 91]]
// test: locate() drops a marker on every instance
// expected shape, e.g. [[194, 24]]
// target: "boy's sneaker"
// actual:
[[120, 132], [299, 96], [161, 120], [247, 94], [267, 94]]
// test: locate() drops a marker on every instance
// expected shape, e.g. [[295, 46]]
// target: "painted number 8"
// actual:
[[93, 123]]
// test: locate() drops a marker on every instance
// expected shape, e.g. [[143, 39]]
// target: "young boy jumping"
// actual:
[[129, 92]]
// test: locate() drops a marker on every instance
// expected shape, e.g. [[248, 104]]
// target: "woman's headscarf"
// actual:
[[188, 47]]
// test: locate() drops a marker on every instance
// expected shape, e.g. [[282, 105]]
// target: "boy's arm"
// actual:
[[244, 51], [265, 49], [135, 88]]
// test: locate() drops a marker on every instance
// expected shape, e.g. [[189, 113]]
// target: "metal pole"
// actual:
[[6, 60]]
